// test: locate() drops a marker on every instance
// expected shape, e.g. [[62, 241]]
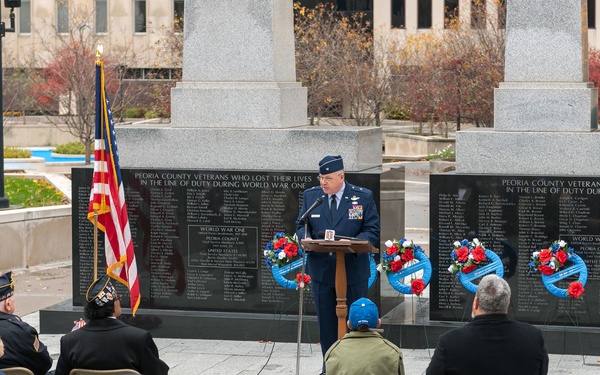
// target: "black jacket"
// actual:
[[492, 345], [22, 347], [108, 344]]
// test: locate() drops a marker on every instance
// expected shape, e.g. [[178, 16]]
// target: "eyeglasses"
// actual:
[[328, 179]]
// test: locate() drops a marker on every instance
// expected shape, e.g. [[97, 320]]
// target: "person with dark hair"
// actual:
[[350, 211], [23, 347], [106, 343], [490, 343], [347, 355]]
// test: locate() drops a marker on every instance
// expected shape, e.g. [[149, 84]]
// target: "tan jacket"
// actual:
[[364, 353]]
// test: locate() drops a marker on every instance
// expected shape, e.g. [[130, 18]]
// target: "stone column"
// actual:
[[239, 106], [546, 111], [546, 76], [238, 66]]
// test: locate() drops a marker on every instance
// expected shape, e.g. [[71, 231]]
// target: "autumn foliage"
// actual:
[[450, 75], [335, 61]]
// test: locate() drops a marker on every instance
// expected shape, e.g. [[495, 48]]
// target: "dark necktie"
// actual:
[[333, 207]]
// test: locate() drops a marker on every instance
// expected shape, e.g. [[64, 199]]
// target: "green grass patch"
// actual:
[[27, 192], [16, 153], [71, 148]]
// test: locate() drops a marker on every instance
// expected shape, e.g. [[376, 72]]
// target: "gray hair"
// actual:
[[493, 294]]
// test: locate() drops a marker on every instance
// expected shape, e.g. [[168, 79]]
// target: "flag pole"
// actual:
[[99, 50], [95, 244]]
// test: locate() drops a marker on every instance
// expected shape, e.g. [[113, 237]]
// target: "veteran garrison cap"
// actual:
[[101, 292], [363, 311], [7, 286], [330, 164]]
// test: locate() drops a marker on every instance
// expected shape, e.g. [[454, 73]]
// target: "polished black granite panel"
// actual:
[[199, 236], [514, 216]]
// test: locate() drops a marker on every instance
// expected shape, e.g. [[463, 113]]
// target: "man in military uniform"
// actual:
[[350, 211], [105, 342], [22, 347]]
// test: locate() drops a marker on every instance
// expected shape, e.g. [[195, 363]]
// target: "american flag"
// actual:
[[108, 197]]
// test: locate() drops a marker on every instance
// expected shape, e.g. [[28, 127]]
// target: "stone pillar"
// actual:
[[239, 106], [546, 76], [546, 111], [238, 66]]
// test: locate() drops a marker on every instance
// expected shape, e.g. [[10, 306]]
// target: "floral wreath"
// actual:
[[466, 256], [283, 250], [399, 255], [552, 259]]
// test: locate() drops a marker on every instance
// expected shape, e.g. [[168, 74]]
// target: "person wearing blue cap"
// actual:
[[362, 351], [105, 342], [22, 346], [350, 211]]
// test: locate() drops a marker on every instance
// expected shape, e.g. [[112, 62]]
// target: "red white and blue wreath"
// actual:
[[403, 259], [558, 262], [468, 258], [283, 255]]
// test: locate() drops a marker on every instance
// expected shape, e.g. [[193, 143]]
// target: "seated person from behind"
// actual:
[[1, 353], [22, 347], [106, 343], [363, 351]]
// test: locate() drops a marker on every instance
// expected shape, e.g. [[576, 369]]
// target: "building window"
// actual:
[[62, 16], [101, 17], [151, 74], [399, 14], [591, 14], [424, 14], [25, 17], [450, 12], [139, 19], [478, 14], [178, 15]]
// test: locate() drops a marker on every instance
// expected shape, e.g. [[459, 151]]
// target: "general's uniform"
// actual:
[[107, 344], [22, 347], [356, 217]]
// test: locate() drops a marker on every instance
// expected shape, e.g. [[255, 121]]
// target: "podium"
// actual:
[[341, 286]]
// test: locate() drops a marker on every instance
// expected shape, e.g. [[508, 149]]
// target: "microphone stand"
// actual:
[[301, 304]]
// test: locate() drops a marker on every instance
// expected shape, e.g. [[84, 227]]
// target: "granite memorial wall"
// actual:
[[515, 216], [199, 236]]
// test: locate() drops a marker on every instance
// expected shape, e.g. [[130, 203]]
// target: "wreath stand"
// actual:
[[572, 317], [578, 267], [278, 314], [422, 265]]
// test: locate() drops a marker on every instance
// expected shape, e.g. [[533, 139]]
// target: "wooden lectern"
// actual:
[[340, 247]]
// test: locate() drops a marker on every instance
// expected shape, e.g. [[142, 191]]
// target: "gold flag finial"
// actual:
[[99, 51]]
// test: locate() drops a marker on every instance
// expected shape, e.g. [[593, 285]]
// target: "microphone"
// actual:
[[321, 234], [314, 205]]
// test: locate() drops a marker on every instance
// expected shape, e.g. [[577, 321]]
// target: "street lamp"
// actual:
[[12, 4]]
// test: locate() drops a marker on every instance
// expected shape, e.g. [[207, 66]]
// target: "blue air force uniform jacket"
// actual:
[[356, 217]]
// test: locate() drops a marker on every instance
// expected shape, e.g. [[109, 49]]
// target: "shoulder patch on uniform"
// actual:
[[36, 343]]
